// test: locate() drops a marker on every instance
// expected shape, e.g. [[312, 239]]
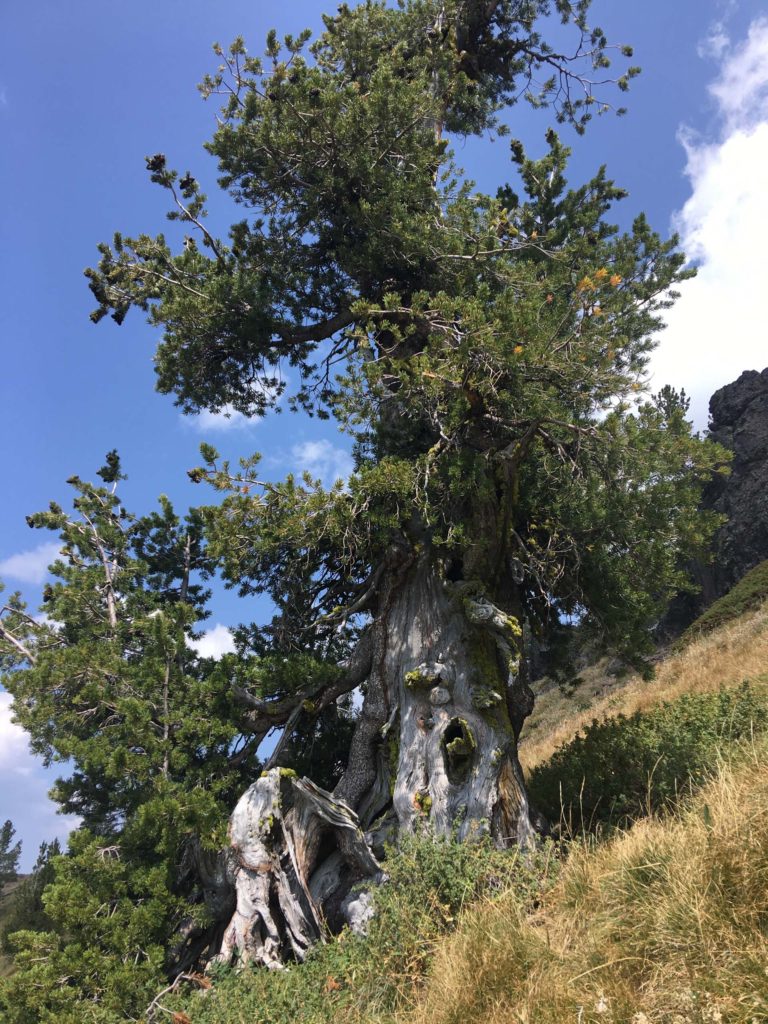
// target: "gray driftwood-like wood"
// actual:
[[285, 885], [457, 763]]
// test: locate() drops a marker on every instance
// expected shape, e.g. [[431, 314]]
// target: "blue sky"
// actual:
[[88, 89]]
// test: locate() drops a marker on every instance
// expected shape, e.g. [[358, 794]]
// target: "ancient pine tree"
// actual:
[[485, 352]]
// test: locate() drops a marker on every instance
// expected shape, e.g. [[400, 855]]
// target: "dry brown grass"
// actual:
[[737, 651], [666, 924]]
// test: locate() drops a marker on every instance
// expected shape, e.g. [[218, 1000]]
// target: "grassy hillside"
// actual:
[[664, 922], [735, 651], [750, 592], [623, 768]]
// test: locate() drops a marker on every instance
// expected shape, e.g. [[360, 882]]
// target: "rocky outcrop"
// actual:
[[739, 421], [738, 415]]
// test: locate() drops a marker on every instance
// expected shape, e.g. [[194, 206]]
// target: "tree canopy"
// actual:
[[465, 341]]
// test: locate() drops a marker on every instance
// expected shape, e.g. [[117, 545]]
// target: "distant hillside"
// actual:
[[6, 898]]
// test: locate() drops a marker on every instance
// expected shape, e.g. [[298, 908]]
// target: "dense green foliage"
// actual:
[[621, 768], [107, 681], [748, 593], [355, 979], [485, 351]]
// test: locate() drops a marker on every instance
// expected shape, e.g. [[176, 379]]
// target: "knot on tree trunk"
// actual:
[[298, 853]]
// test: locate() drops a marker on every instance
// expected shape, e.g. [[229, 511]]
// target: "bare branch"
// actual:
[[15, 642], [211, 241], [109, 569], [316, 332], [355, 670]]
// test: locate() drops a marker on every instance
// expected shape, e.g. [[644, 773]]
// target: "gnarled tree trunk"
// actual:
[[435, 745], [297, 853], [450, 660]]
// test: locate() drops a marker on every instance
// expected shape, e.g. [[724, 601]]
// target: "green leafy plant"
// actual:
[[351, 978], [621, 768]]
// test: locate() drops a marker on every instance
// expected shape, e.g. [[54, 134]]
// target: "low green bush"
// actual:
[[356, 979], [624, 767], [748, 593]]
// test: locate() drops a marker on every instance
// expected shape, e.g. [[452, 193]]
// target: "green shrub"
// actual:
[[354, 979], [748, 593], [624, 767]]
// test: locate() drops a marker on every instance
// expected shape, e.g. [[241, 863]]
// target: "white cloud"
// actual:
[[716, 42], [30, 566], [24, 791], [225, 420], [214, 642], [323, 459], [718, 39], [716, 330], [15, 756], [741, 90]]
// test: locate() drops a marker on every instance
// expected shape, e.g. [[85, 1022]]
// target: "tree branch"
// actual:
[[316, 332], [8, 636], [111, 605], [355, 670]]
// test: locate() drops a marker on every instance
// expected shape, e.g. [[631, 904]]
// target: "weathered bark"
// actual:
[[285, 882], [435, 745], [451, 658], [213, 871]]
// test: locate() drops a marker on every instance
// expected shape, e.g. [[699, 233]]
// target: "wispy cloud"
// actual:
[[30, 566], [741, 90], [4, 101], [716, 329], [715, 43], [227, 419], [214, 642], [717, 39], [323, 460]]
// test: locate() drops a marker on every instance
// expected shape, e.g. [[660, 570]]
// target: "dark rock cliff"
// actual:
[[739, 421]]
